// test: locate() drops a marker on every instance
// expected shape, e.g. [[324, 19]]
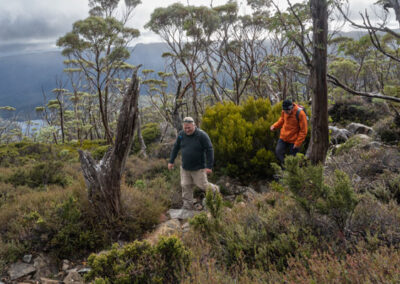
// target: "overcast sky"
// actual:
[[41, 22]]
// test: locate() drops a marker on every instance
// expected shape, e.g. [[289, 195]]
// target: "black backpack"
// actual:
[[301, 108]]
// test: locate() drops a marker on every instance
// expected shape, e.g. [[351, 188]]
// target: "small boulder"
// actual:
[[27, 258], [45, 266], [20, 269], [358, 128], [186, 227], [339, 135], [181, 214], [250, 194], [73, 277], [65, 264], [49, 281]]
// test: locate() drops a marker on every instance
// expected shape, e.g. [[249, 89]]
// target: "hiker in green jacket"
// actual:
[[197, 160]]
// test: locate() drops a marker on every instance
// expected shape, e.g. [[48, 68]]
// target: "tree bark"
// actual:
[[320, 132], [103, 179]]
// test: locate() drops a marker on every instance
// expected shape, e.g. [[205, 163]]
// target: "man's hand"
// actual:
[[208, 171], [272, 128], [170, 166]]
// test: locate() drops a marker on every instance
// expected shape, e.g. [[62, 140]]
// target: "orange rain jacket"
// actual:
[[293, 131]]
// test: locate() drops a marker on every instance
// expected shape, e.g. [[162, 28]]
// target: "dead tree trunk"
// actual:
[[103, 179], [320, 133]]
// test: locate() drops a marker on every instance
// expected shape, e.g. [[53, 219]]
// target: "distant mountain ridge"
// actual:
[[23, 76]]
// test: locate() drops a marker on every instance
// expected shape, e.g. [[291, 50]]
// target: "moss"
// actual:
[[348, 145]]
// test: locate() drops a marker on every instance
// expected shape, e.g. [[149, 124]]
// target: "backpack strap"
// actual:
[[298, 113]]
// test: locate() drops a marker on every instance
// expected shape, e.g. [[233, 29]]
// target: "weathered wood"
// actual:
[[103, 179]]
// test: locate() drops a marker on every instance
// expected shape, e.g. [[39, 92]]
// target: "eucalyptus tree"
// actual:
[[379, 43], [8, 128], [215, 38], [98, 45], [183, 28], [59, 105], [306, 24]]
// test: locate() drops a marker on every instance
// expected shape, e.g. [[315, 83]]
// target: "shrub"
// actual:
[[40, 175], [139, 262], [99, 152], [382, 222], [244, 146], [362, 267], [254, 236], [388, 130], [348, 110], [151, 133], [73, 236], [8, 156], [306, 183], [143, 207]]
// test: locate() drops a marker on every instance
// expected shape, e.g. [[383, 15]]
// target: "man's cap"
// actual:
[[188, 119], [287, 105]]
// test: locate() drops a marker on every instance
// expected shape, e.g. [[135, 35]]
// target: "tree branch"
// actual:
[[336, 82]]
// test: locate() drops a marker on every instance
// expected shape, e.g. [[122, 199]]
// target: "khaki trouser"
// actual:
[[191, 178]]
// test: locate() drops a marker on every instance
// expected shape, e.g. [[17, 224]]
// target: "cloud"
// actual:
[[37, 20]]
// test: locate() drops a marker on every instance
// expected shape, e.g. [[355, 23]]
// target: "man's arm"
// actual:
[[175, 151], [209, 150], [279, 123]]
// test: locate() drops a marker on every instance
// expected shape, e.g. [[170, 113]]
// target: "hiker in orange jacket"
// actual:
[[293, 124]]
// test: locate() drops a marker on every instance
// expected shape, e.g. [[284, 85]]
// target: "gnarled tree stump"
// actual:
[[103, 179]]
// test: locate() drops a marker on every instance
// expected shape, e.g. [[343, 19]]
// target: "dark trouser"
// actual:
[[282, 148]]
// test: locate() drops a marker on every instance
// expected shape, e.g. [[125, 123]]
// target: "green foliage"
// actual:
[[306, 183], [346, 110], [40, 175], [388, 130], [255, 237], [242, 141], [73, 235], [139, 262], [151, 133], [353, 142], [214, 203], [202, 223], [99, 152]]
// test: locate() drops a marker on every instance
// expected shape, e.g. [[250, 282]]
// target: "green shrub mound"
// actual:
[[347, 110], [306, 183], [140, 262], [243, 144], [151, 133], [388, 130], [40, 175]]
